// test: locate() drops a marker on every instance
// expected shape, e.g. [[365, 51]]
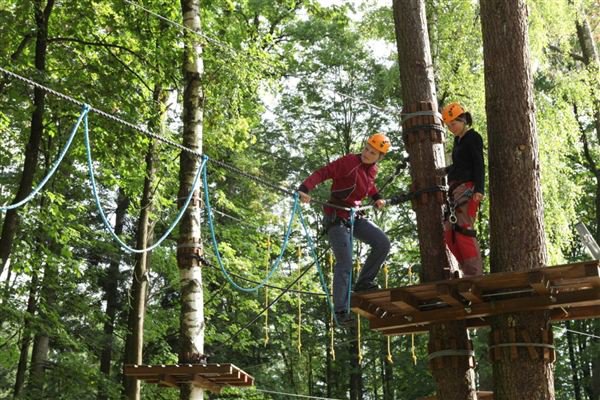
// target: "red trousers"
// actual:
[[465, 248]]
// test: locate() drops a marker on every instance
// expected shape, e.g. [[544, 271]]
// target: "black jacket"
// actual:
[[467, 160]]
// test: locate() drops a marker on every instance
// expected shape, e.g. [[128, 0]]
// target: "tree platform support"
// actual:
[[569, 292], [211, 377]]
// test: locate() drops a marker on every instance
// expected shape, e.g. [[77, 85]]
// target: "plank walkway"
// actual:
[[570, 291], [211, 377]]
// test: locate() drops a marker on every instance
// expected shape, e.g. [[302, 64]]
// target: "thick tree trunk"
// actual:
[[9, 227], [189, 243], [111, 295], [426, 153], [26, 336], [516, 209]]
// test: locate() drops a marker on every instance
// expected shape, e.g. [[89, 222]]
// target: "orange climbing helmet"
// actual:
[[452, 111], [379, 142]]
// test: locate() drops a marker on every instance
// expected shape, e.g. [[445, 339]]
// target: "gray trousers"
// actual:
[[339, 239]]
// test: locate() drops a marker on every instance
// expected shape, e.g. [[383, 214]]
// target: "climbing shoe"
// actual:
[[366, 286], [344, 318]]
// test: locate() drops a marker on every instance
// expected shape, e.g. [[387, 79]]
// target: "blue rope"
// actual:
[[39, 187], [313, 251], [216, 246], [101, 210]]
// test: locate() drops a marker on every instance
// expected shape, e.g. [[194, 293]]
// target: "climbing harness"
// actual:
[[451, 206]]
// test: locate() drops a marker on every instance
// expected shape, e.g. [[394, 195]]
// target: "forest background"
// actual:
[[289, 86]]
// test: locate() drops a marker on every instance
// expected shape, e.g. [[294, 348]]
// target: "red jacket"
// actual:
[[352, 182]]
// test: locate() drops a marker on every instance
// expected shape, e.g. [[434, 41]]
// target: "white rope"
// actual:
[[295, 395], [582, 333]]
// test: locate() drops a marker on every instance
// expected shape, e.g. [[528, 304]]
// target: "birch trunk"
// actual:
[[189, 244]]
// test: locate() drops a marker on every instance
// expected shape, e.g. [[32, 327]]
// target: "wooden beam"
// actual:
[[404, 300], [364, 308], [470, 292], [539, 282], [204, 383], [167, 380], [448, 294], [588, 297]]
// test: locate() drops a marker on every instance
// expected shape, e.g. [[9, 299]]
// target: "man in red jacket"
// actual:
[[353, 178]]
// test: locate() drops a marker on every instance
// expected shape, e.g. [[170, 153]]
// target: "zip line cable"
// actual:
[[180, 26], [170, 142], [583, 333], [235, 52], [295, 395]]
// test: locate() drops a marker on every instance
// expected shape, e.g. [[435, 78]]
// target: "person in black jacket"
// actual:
[[466, 178]]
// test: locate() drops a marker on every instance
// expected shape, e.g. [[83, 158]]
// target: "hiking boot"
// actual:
[[344, 318], [366, 286]]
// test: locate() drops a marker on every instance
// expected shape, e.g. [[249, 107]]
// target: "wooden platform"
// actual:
[[569, 291], [207, 376]]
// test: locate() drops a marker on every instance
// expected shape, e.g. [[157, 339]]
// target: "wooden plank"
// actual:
[[448, 294], [556, 316], [364, 308], [539, 283], [588, 297], [167, 380], [209, 376], [144, 370], [404, 300], [470, 292], [204, 383]]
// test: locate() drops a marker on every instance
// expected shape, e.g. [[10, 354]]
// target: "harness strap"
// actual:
[[464, 231]]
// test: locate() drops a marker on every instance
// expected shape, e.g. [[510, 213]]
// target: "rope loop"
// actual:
[[84, 111], [107, 224], [276, 264]]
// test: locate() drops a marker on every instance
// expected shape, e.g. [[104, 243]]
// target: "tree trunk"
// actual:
[[111, 295], [41, 344], [189, 243], [9, 227], [516, 210], [134, 343], [26, 336], [426, 152]]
